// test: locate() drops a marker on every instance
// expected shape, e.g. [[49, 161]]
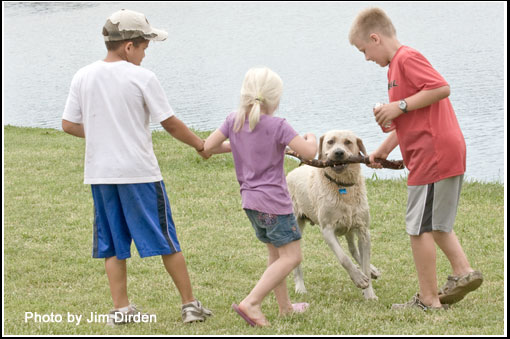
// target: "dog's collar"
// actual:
[[339, 183]]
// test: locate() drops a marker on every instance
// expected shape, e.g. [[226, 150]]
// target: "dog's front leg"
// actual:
[[358, 277], [364, 248], [352, 247]]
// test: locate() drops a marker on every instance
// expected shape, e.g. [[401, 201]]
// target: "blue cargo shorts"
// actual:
[[124, 213], [275, 229]]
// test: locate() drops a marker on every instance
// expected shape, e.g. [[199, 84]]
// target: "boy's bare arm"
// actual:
[[384, 114], [181, 132], [427, 98], [73, 128], [384, 149]]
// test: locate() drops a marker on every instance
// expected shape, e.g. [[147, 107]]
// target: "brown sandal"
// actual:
[[415, 302], [457, 287]]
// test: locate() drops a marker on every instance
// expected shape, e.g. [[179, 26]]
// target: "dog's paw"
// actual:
[[369, 294], [360, 279], [300, 288], [374, 272]]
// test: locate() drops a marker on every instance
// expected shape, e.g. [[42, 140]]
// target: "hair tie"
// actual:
[[260, 98]]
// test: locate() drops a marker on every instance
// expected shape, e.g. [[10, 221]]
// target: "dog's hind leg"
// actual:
[[298, 271], [374, 271], [358, 277], [298, 280]]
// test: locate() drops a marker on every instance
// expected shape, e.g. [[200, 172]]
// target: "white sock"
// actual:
[[124, 309], [194, 302]]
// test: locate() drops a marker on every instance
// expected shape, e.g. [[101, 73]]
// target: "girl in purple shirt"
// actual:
[[257, 142]]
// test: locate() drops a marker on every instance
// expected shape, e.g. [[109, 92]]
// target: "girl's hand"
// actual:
[[201, 151]]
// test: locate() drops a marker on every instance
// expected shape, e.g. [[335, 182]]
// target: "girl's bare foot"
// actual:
[[254, 313]]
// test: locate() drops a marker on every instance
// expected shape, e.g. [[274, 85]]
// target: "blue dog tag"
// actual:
[[342, 191]]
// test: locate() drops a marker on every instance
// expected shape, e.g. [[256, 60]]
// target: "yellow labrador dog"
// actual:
[[335, 198]]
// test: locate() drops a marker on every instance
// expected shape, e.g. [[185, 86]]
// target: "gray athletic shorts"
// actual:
[[433, 207]]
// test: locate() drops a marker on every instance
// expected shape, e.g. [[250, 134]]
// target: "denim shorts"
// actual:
[[275, 229]]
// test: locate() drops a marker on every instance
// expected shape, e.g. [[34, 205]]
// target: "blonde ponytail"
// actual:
[[261, 88], [254, 114]]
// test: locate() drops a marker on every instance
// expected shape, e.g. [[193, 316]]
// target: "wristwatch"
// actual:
[[402, 104]]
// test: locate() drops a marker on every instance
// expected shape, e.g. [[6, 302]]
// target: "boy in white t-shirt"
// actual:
[[110, 104]]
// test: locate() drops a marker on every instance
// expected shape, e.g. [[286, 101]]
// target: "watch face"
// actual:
[[403, 105]]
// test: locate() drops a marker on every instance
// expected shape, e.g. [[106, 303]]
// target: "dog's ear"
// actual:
[[361, 147], [320, 148]]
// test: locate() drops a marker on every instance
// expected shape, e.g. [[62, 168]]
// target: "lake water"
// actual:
[[327, 83]]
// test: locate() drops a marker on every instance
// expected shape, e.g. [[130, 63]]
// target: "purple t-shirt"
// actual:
[[258, 159]]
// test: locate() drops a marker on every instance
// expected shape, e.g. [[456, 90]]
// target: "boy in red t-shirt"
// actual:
[[421, 120]]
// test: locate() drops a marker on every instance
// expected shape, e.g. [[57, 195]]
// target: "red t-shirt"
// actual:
[[430, 139]]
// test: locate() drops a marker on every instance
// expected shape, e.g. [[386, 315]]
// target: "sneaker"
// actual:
[[457, 287], [415, 302], [116, 317], [194, 311]]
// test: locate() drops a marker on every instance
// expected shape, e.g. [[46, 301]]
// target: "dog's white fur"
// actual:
[[317, 199]]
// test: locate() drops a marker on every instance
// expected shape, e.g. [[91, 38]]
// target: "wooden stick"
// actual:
[[391, 164]]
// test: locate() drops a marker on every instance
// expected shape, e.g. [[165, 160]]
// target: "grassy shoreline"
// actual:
[[48, 265]]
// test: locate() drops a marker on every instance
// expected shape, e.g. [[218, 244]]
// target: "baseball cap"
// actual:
[[126, 24]]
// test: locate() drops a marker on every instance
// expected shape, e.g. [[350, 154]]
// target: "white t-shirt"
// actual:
[[115, 102]]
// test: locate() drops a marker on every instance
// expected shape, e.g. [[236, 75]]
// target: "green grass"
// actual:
[[48, 244]]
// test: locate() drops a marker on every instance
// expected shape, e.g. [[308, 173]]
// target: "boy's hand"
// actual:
[[374, 155], [384, 114], [383, 150], [204, 155], [202, 152]]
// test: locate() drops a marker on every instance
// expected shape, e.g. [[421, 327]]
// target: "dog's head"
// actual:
[[339, 145]]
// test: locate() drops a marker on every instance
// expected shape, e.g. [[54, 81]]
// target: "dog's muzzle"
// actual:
[[339, 155]]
